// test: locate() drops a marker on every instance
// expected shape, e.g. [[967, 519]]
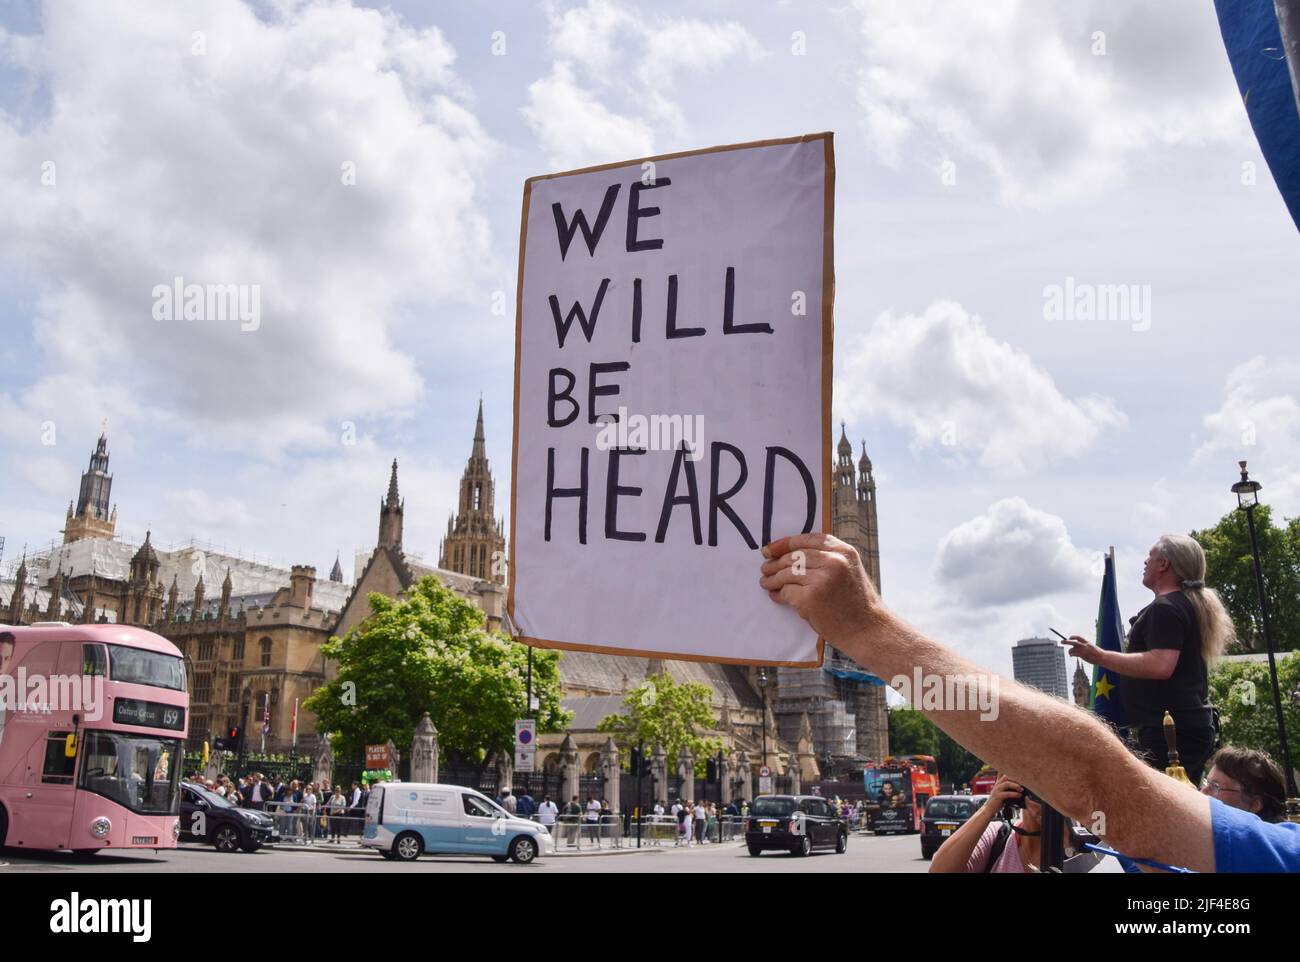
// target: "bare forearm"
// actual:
[[1145, 664], [954, 853], [1065, 755]]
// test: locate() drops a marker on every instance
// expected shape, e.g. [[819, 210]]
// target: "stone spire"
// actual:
[[390, 515], [336, 573], [474, 544], [225, 595]]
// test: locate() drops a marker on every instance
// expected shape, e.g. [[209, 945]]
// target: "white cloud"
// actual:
[[1259, 422], [1016, 86], [942, 375], [577, 130], [226, 167], [622, 55], [1012, 552]]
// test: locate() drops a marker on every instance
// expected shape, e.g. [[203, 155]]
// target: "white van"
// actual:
[[405, 820]]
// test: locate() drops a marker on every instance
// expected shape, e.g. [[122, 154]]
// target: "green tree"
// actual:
[[1243, 693], [912, 733], [430, 652], [1231, 571], [660, 711]]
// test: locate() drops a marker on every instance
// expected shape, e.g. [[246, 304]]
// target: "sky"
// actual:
[[363, 165]]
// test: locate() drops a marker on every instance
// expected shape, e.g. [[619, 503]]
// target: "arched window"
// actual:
[[265, 644], [478, 495]]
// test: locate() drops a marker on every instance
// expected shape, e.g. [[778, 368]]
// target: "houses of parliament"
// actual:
[[252, 633]]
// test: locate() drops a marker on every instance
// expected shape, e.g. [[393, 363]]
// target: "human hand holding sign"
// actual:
[[821, 578]]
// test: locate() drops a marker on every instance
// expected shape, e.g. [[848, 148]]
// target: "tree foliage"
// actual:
[[661, 711], [1243, 693], [912, 733], [1230, 570], [429, 652]]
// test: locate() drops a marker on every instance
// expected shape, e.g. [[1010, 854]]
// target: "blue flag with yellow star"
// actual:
[[1104, 699]]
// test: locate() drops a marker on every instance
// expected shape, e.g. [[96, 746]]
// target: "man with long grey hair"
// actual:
[[1171, 644]]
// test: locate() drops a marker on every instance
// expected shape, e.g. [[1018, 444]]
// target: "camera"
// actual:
[[1018, 801]]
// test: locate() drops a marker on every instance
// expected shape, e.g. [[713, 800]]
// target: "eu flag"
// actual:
[[1104, 699]]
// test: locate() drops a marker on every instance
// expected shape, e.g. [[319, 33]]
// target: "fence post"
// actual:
[[612, 769], [659, 769], [686, 772], [324, 770], [424, 751]]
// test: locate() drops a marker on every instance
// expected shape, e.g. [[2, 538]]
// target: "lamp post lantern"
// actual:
[[1247, 492]]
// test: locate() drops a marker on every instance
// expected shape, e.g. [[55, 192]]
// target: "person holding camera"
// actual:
[[989, 841]]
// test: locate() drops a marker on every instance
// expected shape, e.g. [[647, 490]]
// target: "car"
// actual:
[[208, 817], [405, 820], [797, 824], [944, 814]]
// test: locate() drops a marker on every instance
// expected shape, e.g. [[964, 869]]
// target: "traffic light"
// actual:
[[232, 741]]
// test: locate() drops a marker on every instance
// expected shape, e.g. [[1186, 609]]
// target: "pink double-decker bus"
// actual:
[[92, 735]]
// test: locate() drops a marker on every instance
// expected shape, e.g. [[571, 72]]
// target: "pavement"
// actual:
[[866, 853]]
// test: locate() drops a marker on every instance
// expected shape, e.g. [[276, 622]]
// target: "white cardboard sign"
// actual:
[[672, 400]]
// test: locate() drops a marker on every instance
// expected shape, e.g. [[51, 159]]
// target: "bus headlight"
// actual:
[[100, 827]]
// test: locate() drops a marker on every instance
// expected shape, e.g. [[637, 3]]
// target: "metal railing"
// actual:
[[659, 830], [578, 832], [299, 825]]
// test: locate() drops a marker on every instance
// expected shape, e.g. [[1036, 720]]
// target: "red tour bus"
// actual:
[[897, 791], [92, 735]]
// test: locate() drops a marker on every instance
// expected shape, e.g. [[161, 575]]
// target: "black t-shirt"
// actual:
[[1168, 622]]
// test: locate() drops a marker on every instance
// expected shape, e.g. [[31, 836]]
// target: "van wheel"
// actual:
[[523, 850], [407, 847], [227, 839], [842, 843], [755, 851], [804, 848]]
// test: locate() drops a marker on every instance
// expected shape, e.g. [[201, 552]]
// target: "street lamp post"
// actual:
[[762, 687], [1247, 492]]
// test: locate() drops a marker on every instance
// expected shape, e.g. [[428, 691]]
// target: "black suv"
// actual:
[[944, 814], [794, 823], [208, 817]]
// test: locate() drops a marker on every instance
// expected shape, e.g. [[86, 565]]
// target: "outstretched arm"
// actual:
[[1068, 757]]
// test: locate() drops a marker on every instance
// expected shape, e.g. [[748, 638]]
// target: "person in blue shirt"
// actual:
[[1074, 761]]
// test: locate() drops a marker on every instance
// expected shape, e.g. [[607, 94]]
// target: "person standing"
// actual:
[[1171, 644], [547, 812], [335, 809]]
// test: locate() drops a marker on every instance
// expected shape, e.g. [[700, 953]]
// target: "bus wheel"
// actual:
[[226, 839], [407, 847], [4, 825]]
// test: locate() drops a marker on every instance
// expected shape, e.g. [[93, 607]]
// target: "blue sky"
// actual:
[[983, 154]]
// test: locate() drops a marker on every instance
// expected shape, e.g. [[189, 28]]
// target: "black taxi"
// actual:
[[944, 814], [794, 823]]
